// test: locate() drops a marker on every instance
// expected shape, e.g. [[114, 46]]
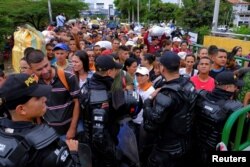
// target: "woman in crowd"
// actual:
[[130, 66], [80, 61], [237, 51], [184, 47], [189, 69], [147, 61]]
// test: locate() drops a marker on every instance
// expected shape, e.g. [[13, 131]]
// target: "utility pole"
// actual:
[[50, 11], [138, 11], [216, 14]]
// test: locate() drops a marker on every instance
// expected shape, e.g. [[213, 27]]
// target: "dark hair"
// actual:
[[125, 38], [199, 51], [212, 50], [184, 41], [116, 39], [149, 57], [128, 62], [222, 50], [83, 56], [35, 56], [207, 58], [136, 48], [123, 48], [142, 46], [50, 44], [28, 50], [235, 50], [190, 55], [166, 43]]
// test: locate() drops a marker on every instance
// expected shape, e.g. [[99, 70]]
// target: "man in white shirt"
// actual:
[[60, 19]]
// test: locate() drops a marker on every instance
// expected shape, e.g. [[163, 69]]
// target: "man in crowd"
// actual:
[[203, 80], [219, 63], [63, 105]]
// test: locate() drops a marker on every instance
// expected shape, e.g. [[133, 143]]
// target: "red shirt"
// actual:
[[207, 85]]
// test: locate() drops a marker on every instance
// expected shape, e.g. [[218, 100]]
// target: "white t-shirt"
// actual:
[[182, 71], [144, 95], [60, 20]]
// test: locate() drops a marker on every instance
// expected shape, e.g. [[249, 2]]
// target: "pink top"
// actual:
[[208, 85]]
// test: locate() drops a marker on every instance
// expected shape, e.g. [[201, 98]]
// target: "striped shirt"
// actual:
[[60, 102]]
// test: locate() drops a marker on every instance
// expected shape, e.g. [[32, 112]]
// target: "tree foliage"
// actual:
[[128, 7], [199, 13], [14, 13], [163, 12]]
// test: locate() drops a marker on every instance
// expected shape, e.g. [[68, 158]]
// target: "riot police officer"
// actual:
[[103, 109], [168, 114], [212, 111], [23, 143]]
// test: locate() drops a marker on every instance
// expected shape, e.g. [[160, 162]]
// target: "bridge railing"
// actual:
[[239, 119]]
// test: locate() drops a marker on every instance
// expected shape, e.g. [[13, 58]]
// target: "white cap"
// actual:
[[176, 39], [182, 55], [130, 43], [142, 70]]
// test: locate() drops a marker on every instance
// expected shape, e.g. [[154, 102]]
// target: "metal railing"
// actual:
[[229, 34], [237, 118], [241, 60]]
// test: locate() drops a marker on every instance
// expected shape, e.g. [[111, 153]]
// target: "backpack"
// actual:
[[17, 149], [62, 77]]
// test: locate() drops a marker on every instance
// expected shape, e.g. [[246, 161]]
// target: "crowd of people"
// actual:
[[144, 100]]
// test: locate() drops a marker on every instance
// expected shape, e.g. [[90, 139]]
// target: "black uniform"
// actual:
[[44, 149], [211, 114], [100, 130], [171, 118]]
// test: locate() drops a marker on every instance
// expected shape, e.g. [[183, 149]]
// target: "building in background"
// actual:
[[99, 7], [99, 4], [241, 12]]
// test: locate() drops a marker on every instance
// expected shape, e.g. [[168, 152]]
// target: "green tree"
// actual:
[[128, 8], [163, 12], [14, 13], [199, 13]]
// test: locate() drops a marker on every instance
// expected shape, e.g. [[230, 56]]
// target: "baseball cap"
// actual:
[[227, 78], [105, 63], [19, 88], [182, 55], [61, 46], [170, 60], [142, 70]]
